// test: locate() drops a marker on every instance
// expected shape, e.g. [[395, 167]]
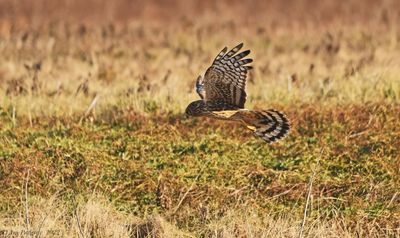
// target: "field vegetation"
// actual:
[[94, 143]]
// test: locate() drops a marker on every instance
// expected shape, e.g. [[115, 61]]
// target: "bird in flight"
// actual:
[[223, 95]]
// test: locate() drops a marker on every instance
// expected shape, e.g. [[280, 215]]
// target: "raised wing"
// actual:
[[225, 80]]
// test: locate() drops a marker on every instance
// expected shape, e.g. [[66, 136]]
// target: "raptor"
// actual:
[[223, 95]]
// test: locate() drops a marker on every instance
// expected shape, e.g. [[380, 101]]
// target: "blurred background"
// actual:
[[271, 13], [143, 52]]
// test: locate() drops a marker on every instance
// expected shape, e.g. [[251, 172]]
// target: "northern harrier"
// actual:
[[222, 93]]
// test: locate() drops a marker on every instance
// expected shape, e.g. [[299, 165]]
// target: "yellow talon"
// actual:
[[253, 128]]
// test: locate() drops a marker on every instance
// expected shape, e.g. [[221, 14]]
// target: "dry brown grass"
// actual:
[[96, 217], [145, 65]]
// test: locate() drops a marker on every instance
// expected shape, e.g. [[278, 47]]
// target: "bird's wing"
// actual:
[[225, 79]]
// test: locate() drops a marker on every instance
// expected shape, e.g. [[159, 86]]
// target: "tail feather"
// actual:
[[270, 125]]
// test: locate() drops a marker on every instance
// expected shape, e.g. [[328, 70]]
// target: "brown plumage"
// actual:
[[223, 95]]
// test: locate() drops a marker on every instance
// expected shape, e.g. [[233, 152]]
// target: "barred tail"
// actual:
[[270, 125]]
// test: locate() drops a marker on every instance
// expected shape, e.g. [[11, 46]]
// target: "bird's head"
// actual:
[[195, 108]]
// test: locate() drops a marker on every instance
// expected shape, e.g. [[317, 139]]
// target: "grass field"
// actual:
[[94, 143]]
